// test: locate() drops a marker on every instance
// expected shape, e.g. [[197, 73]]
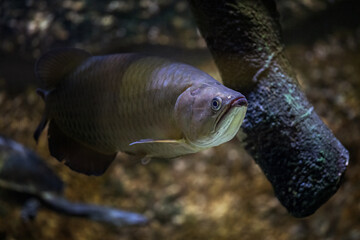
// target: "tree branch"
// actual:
[[296, 151]]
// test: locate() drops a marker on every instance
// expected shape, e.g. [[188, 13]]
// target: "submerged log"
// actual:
[[297, 152]]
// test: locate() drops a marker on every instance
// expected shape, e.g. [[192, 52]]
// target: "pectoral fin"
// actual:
[[167, 148], [152, 141]]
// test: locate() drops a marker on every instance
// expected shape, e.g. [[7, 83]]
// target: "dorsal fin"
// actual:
[[56, 64]]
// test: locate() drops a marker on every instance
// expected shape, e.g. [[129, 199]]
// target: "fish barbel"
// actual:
[[97, 106]]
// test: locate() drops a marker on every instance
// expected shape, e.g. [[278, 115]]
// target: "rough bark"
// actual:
[[296, 151]]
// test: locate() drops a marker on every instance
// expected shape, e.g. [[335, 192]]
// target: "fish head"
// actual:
[[210, 114]]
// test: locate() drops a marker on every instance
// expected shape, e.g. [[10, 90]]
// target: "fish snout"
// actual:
[[239, 102]]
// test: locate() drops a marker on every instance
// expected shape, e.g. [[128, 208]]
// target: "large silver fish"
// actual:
[[141, 105]]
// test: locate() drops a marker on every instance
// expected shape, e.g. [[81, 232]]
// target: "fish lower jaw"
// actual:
[[226, 130]]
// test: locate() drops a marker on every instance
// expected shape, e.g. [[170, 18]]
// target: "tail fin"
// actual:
[[54, 65]]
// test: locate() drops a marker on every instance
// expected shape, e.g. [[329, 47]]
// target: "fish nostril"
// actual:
[[240, 102]]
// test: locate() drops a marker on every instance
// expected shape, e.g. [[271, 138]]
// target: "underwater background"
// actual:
[[218, 193]]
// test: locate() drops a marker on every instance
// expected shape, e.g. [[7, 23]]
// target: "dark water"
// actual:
[[216, 194]]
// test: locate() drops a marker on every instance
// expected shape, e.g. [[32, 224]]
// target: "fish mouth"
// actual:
[[227, 123], [233, 104]]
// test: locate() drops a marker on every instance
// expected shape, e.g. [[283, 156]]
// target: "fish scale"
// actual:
[[141, 104], [147, 106]]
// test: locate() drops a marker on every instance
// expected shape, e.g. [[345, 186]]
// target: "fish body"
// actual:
[[137, 104]]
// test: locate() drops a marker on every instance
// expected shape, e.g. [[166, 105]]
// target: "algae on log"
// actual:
[[296, 151]]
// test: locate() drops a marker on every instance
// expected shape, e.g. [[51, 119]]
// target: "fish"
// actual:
[[147, 106]]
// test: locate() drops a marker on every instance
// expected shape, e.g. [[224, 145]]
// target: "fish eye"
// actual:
[[216, 103]]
